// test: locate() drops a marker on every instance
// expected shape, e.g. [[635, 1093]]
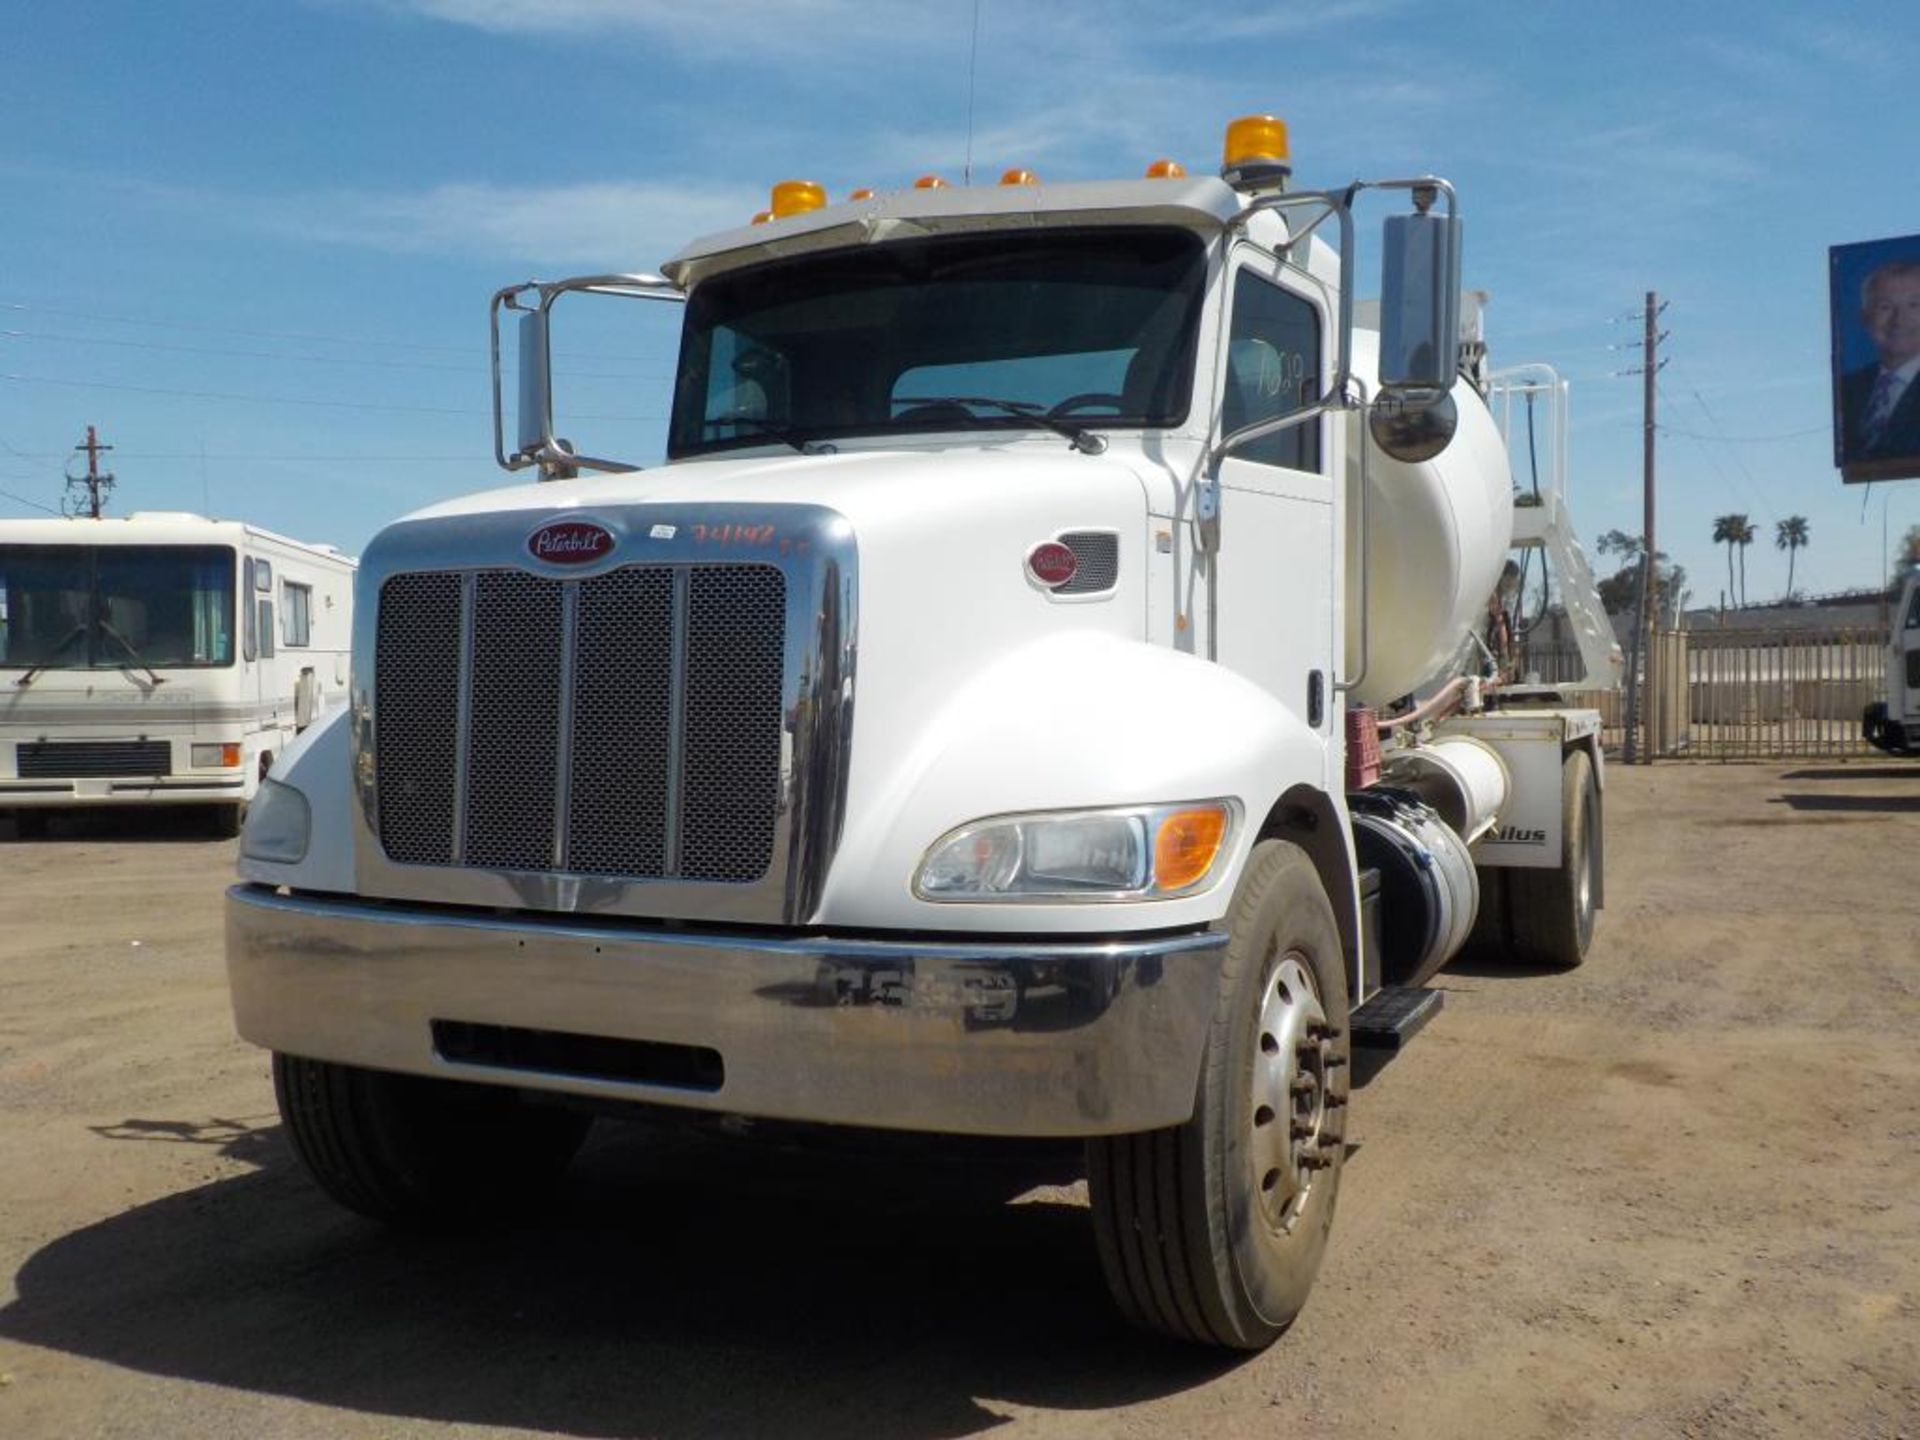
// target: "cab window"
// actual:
[[1273, 369]]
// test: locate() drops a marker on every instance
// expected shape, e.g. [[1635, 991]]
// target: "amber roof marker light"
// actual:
[[1256, 155], [796, 197]]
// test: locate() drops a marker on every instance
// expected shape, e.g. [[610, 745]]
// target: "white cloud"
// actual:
[[616, 225]]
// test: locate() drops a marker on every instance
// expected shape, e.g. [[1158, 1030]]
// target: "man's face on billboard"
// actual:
[[1891, 312]]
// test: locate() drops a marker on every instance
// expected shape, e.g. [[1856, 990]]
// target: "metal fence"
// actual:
[[1775, 694]]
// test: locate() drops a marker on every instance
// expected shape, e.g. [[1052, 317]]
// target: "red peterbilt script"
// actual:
[[570, 542]]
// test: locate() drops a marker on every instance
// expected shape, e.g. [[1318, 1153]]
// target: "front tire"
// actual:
[[1213, 1231], [407, 1149]]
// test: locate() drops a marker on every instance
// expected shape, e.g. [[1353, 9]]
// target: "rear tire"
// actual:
[[1213, 1231], [1551, 912], [406, 1149]]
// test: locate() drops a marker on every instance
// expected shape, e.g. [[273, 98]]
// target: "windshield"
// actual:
[[92, 607], [982, 331]]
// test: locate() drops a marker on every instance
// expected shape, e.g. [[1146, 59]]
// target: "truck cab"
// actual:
[[952, 736]]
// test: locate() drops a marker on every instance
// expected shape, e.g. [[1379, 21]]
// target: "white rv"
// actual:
[[160, 657]]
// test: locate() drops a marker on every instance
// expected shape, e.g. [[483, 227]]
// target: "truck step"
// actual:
[[1394, 1015]]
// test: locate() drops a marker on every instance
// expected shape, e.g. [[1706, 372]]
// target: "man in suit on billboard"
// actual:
[[1880, 403]]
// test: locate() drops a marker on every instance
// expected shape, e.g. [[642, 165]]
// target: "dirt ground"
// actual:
[[1674, 1193]]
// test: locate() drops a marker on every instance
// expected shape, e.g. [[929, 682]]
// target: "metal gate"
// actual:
[[1747, 694]]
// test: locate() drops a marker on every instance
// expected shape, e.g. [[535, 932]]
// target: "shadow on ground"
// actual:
[[682, 1286], [160, 824], [1858, 772], [1853, 804]]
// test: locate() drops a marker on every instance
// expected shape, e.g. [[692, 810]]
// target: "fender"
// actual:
[[1070, 721], [316, 764]]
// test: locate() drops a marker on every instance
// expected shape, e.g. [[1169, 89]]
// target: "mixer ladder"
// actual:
[[1548, 526]]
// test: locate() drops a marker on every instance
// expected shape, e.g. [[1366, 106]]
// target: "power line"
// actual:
[[359, 340], [301, 359], [23, 500], [1748, 439]]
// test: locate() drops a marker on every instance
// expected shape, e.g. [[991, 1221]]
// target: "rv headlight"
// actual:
[[1136, 853], [278, 822]]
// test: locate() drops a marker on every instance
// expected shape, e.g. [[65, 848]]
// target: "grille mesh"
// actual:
[[622, 718], [1098, 554], [734, 664], [623, 767], [417, 662], [514, 735], [92, 759]]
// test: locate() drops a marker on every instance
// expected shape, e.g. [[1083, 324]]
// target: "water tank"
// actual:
[[1437, 534]]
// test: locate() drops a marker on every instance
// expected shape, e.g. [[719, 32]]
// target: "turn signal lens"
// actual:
[[1166, 170], [796, 197], [1257, 137], [929, 182], [1186, 844], [1019, 177], [865, 192], [763, 217]]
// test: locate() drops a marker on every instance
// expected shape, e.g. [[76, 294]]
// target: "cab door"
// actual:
[[1275, 610]]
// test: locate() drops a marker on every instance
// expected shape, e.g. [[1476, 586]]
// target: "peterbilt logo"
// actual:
[[570, 542]]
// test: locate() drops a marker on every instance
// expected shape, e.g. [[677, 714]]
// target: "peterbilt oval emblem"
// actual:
[[1052, 564], [570, 542]]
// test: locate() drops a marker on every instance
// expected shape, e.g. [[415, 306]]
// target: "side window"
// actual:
[[249, 631], [296, 614], [1273, 369], [1913, 610], [266, 629]]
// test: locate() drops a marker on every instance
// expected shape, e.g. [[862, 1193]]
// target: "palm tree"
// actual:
[[1726, 531], [1744, 539], [1789, 535]]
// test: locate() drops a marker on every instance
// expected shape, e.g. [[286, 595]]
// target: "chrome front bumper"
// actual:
[[1038, 1038]]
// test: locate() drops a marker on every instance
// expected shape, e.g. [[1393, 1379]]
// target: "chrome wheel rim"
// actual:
[[1293, 1048]]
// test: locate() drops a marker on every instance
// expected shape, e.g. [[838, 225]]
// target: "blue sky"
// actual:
[[254, 242]]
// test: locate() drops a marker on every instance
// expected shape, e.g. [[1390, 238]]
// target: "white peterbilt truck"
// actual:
[[1054, 688]]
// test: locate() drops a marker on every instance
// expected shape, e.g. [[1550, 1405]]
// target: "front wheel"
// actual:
[[1213, 1231], [408, 1149]]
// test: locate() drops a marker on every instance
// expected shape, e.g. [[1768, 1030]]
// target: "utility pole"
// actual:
[[1642, 693], [95, 483]]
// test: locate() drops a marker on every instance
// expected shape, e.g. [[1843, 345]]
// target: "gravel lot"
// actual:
[[1674, 1193]]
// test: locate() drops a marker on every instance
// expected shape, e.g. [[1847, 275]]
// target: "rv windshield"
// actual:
[[1047, 329], [103, 607]]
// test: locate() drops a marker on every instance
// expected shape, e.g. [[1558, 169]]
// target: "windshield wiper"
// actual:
[[52, 655], [1078, 436], [127, 645], [795, 440]]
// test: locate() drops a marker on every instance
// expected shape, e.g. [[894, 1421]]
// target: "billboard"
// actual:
[[1875, 305]]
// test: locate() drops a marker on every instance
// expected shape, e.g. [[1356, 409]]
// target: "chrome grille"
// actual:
[[1098, 555], [628, 725], [417, 659]]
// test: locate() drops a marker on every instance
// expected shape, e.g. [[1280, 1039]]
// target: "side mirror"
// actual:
[[535, 420], [1420, 300]]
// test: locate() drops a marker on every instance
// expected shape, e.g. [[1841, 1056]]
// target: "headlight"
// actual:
[[215, 757], [1136, 853], [277, 825]]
